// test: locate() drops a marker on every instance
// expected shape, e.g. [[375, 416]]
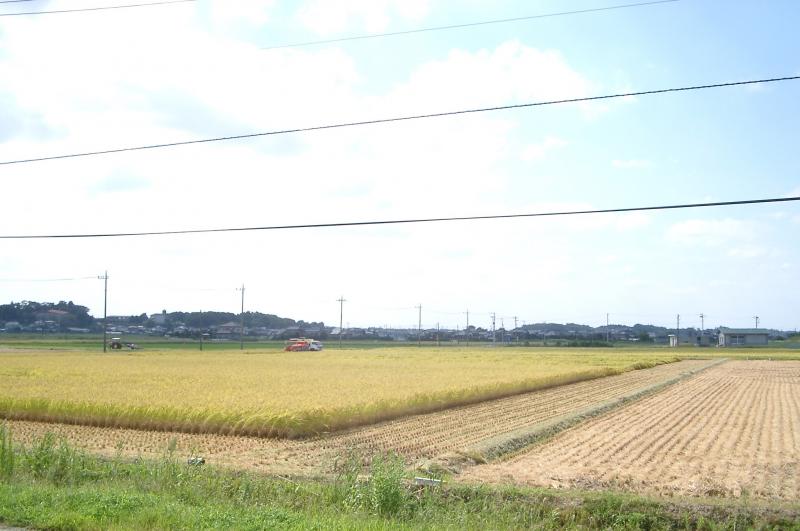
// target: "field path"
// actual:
[[415, 438], [732, 430]]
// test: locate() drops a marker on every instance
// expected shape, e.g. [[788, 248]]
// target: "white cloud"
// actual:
[[249, 12], [631, 163], [747, 251], [711, 231], [538, 151], [511, 73], [756, 87], [327, 17]]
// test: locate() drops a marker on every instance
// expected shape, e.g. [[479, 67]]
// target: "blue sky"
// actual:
[[77, 82]]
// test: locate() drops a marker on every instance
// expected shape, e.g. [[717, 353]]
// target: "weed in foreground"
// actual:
[[384, 493], [6, 453]]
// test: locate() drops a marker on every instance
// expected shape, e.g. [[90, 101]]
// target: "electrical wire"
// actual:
[[398, 119], [47, 279], [103, 8], [465, 25], [404, 221]]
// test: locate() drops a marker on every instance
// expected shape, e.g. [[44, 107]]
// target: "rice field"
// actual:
[[279, 394]]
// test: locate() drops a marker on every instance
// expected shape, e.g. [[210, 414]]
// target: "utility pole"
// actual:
[[241, 321], [702, 323], [516, 334], [678, 332], [756, 318], [438, 332], [494, 334], [104, 278], [341, 313], [419, 326], [607, 335], [467, 328]]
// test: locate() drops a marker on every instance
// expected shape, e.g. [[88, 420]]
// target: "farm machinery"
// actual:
[[301, 344], [117, 344]]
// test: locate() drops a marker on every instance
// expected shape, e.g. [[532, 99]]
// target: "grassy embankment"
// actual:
[[273, 393], [50, 485]]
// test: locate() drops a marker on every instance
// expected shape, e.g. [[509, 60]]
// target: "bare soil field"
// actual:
[[733, 430], [415, 438]]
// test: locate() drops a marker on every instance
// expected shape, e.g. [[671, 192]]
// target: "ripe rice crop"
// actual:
[[282, 394]]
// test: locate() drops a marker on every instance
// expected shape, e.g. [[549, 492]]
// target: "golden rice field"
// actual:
[[282, 394]]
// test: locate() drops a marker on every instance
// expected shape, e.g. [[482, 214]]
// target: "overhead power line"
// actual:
[[103, 8], [403, 221], [45, 279], [466, 25], [397, 119]]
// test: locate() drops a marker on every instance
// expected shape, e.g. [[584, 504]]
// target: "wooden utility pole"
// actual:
[[341, 314], [105, 309], [419, 326], [241, 322], [466, 330]]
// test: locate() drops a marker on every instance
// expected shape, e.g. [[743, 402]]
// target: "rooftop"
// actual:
[[763, 331]]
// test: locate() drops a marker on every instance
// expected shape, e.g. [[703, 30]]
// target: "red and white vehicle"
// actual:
[[299, 344]]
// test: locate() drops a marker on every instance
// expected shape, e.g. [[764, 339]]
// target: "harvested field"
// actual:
[[733, 430], [415, 438]]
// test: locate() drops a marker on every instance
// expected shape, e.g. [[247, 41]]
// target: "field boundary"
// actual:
[[508, 445]]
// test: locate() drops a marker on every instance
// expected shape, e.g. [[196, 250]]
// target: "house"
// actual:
[[227, 329], [742, 337]]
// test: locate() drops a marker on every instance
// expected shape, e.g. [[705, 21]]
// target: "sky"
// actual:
[[87, 81]]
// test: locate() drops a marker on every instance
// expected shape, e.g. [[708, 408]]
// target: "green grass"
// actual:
[[53, 486]]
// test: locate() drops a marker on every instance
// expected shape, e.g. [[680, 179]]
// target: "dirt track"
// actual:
[[415, 438], [732, 430]]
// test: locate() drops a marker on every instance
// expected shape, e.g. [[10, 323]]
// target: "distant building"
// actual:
[[227, 329], [701, 339], [742, 337], [673, 340], [159, 319]]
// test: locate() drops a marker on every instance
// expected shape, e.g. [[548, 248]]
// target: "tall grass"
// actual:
[[6, 452], [295, 424], [57, 487]]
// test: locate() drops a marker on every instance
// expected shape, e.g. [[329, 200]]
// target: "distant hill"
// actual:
[[61, 315], [66, 316]]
